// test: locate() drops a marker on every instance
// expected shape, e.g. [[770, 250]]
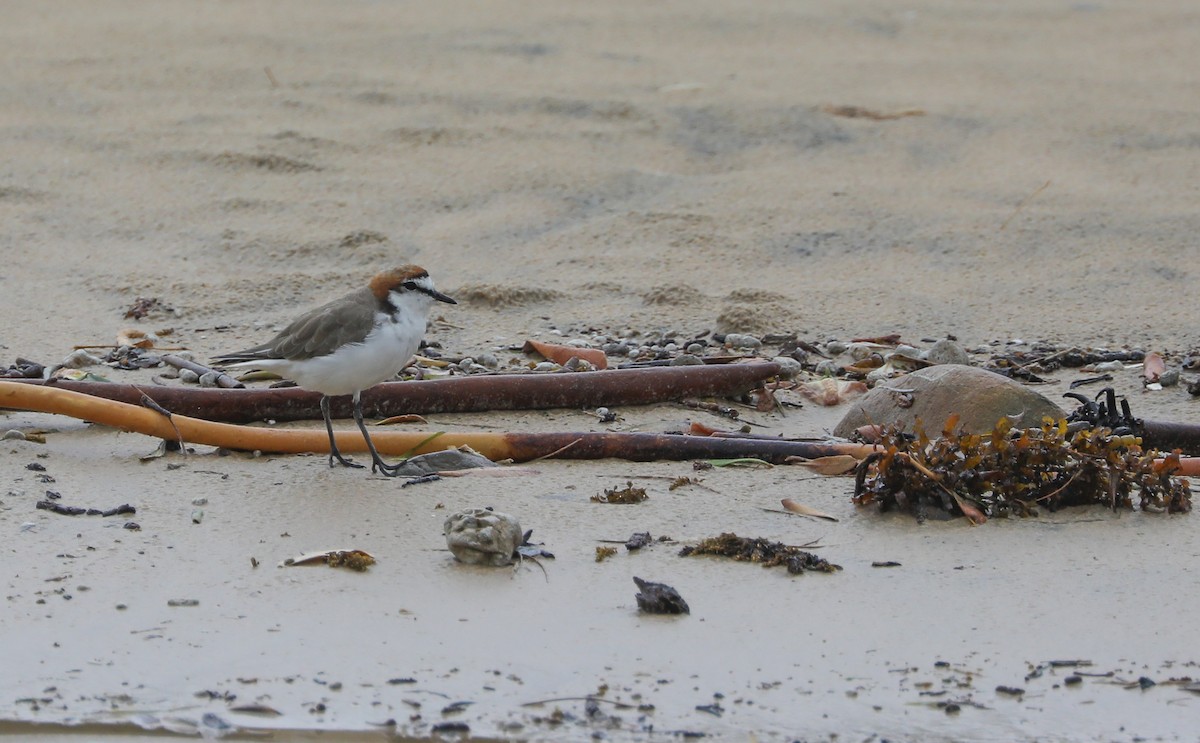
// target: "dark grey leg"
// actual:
[[333, 450], [377, 463]]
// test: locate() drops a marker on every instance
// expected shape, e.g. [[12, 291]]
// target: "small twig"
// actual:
[[271, 77], [618, 705], [1058, 490], [557, 451], [1042, 359], [223, 379], [114, 345], [1021, 205], [149, 403]]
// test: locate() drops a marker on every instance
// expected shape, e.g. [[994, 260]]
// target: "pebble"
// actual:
[[947, 351], [488, 360], [1169, 378], [13, 435], [907, 351], [687, 359], [789, 367], [187, 376], [209, 379], [546, 366], [828, 368], [740, 340], [836, 348], [616, 349], [695, 349], [1108, 366]]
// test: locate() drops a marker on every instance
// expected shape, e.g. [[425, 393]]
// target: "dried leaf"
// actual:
[[803, 510], [882, 340], [837, 464], [408, 418], [353, 559], [560, 354], [859, 112], [136, 338], [740, 462]]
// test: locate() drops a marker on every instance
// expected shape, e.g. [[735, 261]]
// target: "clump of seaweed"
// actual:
[[760, 550], [1009, 472]]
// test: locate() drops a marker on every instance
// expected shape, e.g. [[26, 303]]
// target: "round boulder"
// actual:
[[979, 397]]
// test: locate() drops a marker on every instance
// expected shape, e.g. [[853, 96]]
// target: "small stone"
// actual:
[[1169, 378], [187, 376], [907, 351], [209, 379], [695, 349], [546, 366], [616, 349], [199, 501], [828, 368], [13, 435], [836, 348], [686, 360], [488, 360], [741, 340], [1108, 366], [789, 367], [482, 537], [947, 351]]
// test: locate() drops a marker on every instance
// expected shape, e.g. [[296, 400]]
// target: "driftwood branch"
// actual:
[[520, 447], [453, 395]]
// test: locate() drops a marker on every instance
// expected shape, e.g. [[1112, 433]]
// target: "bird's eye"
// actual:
[[410, 285]]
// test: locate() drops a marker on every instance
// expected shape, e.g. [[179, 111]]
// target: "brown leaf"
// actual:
[[407, 418], [883, 340], [859, 112], [560, 354], [135, 337], [836, 464], [803, 510]]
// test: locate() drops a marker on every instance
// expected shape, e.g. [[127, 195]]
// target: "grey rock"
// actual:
[[482, 537], [741, 340], [789, 367], [442, 461], [686, 359], [947, 351]]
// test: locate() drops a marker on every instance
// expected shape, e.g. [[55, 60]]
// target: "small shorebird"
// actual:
[[350, 344]]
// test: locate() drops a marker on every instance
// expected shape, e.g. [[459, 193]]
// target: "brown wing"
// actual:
[[318, 332]]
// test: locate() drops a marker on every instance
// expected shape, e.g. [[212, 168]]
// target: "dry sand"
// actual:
[[567, 167]]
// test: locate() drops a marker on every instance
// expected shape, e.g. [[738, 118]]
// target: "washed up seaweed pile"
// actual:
[[759, 550], [1010, 472]]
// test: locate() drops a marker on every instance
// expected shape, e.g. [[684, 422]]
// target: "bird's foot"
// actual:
[[335, 456], [385, 469]]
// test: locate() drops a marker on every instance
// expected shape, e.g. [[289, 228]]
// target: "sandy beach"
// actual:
[[1007, 172]]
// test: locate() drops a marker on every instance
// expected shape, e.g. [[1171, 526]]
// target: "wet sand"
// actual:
[[568, 170]]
